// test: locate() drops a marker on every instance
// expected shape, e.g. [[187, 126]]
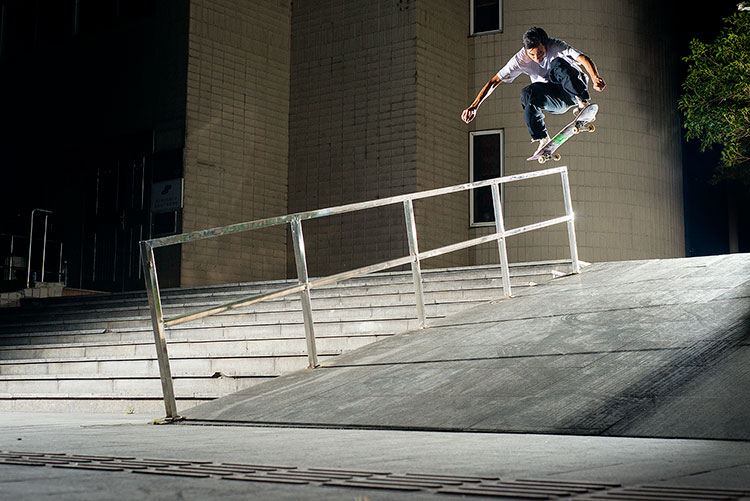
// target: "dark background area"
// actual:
[[85, 103], [707, 205]]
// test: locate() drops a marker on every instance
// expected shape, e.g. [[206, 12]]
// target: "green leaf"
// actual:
[[715, 100]]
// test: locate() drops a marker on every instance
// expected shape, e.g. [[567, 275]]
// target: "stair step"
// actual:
[[237, 318], [434, 292], [185, 348], [521, 272], [119, 404], [199, 333], [33, 320], [235, 366], [96, 353], [110, 387]]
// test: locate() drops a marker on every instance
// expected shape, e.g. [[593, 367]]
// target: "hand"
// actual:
[[469, 114], [599, 84]]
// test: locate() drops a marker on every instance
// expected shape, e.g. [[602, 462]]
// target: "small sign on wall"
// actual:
[[166, 196]]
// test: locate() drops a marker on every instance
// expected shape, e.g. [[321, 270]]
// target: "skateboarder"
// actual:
[[557, 82]]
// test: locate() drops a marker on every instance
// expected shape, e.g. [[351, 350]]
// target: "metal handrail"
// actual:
[[11, 254], [44, 245], [342, 209], [305, 284]]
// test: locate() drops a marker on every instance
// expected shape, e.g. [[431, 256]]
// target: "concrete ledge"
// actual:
[[39, 291]]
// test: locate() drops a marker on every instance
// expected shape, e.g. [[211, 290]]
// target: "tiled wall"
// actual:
[[626, 178], [442, 145], [361, 100], [236, 153], [352, 126]]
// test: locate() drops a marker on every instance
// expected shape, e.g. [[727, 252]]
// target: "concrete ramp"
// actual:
[[657, 348]]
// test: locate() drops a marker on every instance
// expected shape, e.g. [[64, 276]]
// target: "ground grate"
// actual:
[[529, 489], [463, 485], [672, 493], [458, 485]]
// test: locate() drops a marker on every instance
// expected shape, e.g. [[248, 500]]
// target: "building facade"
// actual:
[[255, 108], [626, 178]]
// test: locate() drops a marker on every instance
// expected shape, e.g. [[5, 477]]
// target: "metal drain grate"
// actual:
[[354, 479], [461, 485], [672, 493], [529, 489]]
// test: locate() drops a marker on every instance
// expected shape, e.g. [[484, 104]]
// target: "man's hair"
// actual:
[[535, 37]]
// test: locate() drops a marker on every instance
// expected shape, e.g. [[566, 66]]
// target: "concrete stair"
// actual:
[[96, 353]]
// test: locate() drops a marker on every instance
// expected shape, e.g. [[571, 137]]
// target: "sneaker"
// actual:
[[580, 106], [542, 143]]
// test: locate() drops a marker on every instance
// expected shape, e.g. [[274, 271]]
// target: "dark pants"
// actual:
[[555, 96]]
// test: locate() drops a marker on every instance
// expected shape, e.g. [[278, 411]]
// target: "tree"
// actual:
[[716, 96]]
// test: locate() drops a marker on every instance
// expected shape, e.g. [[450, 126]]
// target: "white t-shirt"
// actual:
[[538, 72]]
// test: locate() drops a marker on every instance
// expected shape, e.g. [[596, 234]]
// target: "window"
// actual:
[[486, 16], [485, 162]]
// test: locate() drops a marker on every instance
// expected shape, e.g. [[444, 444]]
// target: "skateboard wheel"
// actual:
[[557, 157], [591, 128], [542, 160], [576, 130]]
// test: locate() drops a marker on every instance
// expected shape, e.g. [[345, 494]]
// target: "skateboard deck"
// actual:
[[580, 124]]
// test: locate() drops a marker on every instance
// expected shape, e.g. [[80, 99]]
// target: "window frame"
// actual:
[[472, 23], [487, 132]]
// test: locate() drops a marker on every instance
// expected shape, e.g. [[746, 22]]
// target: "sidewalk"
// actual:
[[628, 462]]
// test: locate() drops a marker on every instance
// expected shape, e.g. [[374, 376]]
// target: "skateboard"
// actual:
[[580, 124]]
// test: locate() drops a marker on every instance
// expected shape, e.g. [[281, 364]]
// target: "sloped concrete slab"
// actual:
[[657, 348]]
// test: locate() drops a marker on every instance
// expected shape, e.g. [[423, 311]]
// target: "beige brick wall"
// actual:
[[327, 102], [442, 148], [352, 126], [236, 152], [377, 88], [625, 178], [375, 91]]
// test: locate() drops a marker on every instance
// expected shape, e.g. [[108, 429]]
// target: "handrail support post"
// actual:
[[416, 267], [304, 279], [31, 241], [571, 224], [157, 321], [44, 245], [501, 245]]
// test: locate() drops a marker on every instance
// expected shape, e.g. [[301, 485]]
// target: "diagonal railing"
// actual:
[[306, 284]]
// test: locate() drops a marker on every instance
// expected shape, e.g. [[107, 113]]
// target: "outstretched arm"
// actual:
[[470, 112], [597, 81]]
